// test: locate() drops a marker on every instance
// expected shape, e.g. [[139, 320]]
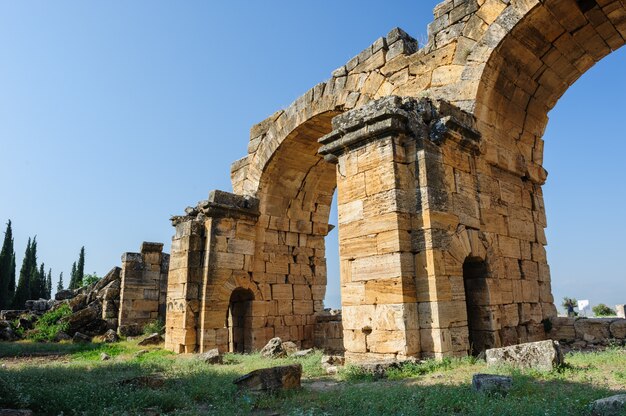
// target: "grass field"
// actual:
[[69, 379]]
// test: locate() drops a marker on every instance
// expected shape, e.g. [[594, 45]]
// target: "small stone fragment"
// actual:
[[290, 347], [212, 357], [104, 356], [492, 384], [274, 349], [152, 339], [110, 337], [271, 379], [331, 370], [609, 406], [79, 338], [302, 353]]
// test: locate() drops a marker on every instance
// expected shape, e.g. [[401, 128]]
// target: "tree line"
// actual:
[[33, 281]]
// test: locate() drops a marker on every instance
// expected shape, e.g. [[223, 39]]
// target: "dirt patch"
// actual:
[[35, 359]]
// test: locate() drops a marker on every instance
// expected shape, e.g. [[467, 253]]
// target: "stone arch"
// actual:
[[240, 321], [216, 304], [535, 62]]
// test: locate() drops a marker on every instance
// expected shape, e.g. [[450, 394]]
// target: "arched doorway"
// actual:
[[238, 321], [479, 319]]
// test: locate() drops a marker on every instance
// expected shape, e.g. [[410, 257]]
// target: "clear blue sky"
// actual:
[[115, 115]]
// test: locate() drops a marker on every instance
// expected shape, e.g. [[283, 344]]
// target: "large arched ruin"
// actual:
[[436, 154]]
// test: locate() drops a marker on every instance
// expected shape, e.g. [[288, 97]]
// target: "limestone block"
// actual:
[[384, 266], [303, 307], [542, 355], [618, 329], [592, 329]]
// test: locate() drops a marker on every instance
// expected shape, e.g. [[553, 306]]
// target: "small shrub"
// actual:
[[50, 324], [602, 310], [90, 279], [157, 326]]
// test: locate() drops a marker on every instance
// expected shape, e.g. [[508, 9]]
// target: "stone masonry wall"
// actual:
[[436, 153], [581, 333], [328, 335], [143, 288]]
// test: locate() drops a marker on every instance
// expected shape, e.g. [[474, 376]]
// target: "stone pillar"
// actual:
[[184, 281], [230, 229], [376, 199], [620, 311], [143, 287]]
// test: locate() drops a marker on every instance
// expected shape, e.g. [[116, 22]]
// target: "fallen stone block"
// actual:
[[302, 353], [104, 357], [11, 315], [618, 329], [274, 349], [492, 384], [290, 347], [609, 406], [110, 337], [212, 357], [64, 294], [379, 369], [271, 379], [541, 355], [152, 339], [79, 338]]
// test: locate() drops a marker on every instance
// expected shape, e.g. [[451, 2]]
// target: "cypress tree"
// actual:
[[73, 277], [80, 267], [22, 292], [60, 284], [49, 285], [37, 282], [12, 278], [7, 258]]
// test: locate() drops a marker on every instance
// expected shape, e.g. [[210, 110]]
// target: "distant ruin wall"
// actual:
[[580, 333], [143, 288], [328, 334]]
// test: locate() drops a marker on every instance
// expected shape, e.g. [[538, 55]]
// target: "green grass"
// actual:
[[50, 324], [81, 384]]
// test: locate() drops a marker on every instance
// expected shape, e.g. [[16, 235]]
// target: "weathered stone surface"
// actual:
[[592, 329], [290, 348], [64, 294], [110, 337], [39, 306], [272, 379], [379, 368], [542, 355], [274, 349], [79, 338], [61, 336], [302, 353], [609, 406], [618, 329], [436, 156], [152, 339], [212, 357], [87, 320], [7, 334], [11, 315], [492, 384]]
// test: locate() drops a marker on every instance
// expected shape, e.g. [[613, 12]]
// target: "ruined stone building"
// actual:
[[435, 152]]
